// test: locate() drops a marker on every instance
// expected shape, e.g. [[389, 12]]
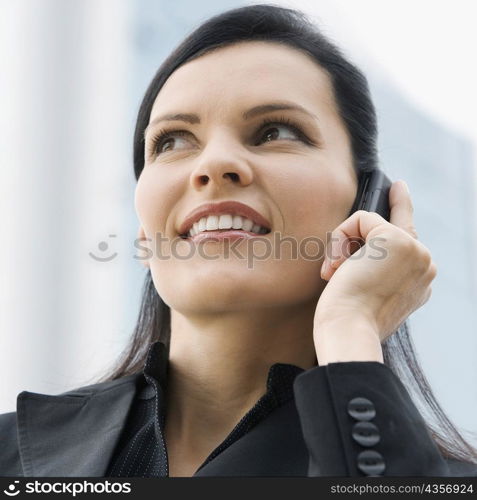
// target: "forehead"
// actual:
[[245, 73]]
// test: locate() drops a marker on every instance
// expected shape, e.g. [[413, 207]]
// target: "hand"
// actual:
[[380, 283]]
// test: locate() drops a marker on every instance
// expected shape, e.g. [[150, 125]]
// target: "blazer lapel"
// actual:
[[75, 433]]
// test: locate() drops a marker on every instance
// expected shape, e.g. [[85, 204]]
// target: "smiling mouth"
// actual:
[[224, 223]]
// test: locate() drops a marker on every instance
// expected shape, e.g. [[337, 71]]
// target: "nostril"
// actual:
[[233, 176]]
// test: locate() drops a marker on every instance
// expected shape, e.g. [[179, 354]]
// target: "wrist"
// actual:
[[347, 339]]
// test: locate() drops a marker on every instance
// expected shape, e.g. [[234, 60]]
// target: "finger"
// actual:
[[401, 207], [343, 238]]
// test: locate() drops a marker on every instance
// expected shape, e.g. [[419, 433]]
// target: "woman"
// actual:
[[255, 127]]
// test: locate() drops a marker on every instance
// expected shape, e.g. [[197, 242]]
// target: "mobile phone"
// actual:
[[373, 193]]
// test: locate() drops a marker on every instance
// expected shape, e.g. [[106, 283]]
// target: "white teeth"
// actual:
[[202, 224], [212, 222], [225, 221], [237, 222], [247, 225]]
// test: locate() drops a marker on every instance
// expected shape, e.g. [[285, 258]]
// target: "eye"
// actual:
[[282, 123], [164, 137]]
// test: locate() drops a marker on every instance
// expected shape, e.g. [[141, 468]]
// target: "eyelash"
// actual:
[[158, 139]]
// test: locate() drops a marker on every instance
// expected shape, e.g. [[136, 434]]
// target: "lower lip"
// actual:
[[222, 235]]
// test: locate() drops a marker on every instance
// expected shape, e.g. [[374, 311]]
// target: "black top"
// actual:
[[142, 450]]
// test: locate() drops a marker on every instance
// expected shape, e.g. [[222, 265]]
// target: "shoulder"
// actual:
[[8, 421], [127, 383], [88, 390], [10, 429]]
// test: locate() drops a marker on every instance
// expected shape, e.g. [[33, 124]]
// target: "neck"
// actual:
[[218, 366]]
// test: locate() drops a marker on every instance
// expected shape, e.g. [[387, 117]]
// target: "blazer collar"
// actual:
[[74, 433]]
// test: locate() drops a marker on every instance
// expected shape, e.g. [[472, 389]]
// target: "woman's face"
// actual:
[[302, 182]]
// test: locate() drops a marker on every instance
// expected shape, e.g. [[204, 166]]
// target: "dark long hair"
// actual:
[[291, 27]]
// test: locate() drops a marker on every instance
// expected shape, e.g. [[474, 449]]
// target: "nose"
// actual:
[[219, 165]]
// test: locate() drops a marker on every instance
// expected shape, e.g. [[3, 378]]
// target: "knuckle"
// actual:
[[406, 244], [424, 258], [432, 269]]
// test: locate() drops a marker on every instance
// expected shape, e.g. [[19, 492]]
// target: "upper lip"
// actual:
[[224, 207]]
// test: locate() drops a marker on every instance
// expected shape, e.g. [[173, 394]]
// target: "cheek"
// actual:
[[315, 201], [153, 202]]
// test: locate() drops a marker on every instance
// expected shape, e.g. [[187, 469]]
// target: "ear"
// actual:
[[141, 243]]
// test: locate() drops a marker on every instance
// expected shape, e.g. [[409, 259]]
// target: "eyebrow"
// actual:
[[247, 115]]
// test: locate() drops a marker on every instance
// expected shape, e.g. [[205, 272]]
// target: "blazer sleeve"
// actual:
[[358, 419]]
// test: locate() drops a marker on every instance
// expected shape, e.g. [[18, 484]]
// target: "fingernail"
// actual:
[[406, 186]]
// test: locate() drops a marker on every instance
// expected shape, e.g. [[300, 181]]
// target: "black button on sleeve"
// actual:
[[361, 409], [371, 462], [365, 433]]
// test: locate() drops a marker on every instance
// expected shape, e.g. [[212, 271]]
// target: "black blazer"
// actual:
[[347, 419]]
